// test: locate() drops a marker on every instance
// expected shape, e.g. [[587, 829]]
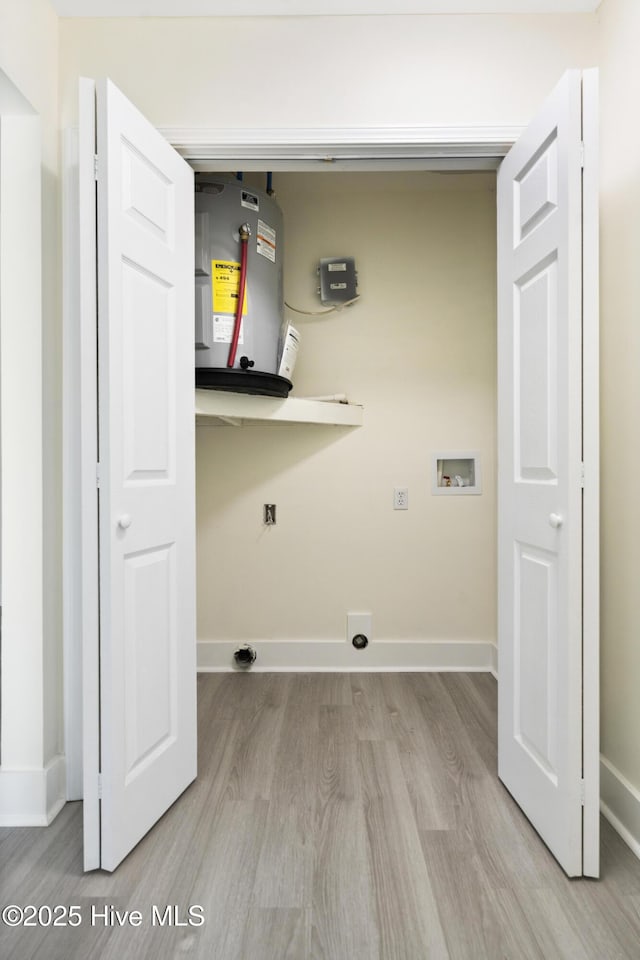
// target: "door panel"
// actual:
[[536, 188], [147, 495], [150, 682], [148, 377], [535, 643], [540, 542], [535, 337]]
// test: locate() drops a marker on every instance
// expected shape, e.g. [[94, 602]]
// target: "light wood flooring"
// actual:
[[335, 816]]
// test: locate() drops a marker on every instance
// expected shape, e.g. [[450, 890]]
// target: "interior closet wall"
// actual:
[[619, 22], [419, 351], [29, 58], [337, 73]]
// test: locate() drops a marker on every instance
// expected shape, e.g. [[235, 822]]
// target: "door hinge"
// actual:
[[97, 474], [99, 786], [95, 166], [582, 475], [582, 792], [582, 154]]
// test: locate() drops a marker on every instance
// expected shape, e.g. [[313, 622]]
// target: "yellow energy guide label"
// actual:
[[225, 275]]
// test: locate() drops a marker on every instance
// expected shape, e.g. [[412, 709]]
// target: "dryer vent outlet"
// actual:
[[244, 656]]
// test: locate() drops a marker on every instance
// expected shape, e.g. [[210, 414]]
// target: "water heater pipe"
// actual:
[[245, 233]]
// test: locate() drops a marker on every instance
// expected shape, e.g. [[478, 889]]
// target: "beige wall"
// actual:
[[419, 351], [369, 71], [29, 57], [619, 22], [329, 71], [337, 72], [366, 71]]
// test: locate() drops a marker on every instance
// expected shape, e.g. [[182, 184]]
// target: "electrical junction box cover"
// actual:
[[338, 279]]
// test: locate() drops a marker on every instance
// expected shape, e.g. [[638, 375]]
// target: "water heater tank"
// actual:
[[222, 208]]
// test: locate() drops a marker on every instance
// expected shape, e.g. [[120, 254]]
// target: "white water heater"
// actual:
[[238, 246]]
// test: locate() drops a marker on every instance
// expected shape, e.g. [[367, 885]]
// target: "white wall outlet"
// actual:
[[400, 498], [359, 623]]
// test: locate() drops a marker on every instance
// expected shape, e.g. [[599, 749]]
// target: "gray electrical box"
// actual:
[[338, 279]]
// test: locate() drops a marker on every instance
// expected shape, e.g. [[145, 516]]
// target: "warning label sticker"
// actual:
[[225, 287], [266, 241], [223, 329], [250, 201]]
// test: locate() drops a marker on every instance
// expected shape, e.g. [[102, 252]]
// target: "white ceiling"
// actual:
[[281, 8]]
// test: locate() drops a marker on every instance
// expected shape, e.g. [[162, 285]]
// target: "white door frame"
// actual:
[[379, 149], [352, 148], [375, 149], [591, 460], [80, 444]]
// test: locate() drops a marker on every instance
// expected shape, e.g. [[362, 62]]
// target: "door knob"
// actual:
[[124, 521], [555, 520]]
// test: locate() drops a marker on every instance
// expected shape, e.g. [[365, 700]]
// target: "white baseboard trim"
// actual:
[[34, 797], [301, 656], [620, 804], [493, 669]]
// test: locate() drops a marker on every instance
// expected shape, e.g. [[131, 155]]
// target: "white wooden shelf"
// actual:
[[218, 406]]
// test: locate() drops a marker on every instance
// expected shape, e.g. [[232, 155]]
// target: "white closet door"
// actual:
[[146, 478], [540, 537]]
